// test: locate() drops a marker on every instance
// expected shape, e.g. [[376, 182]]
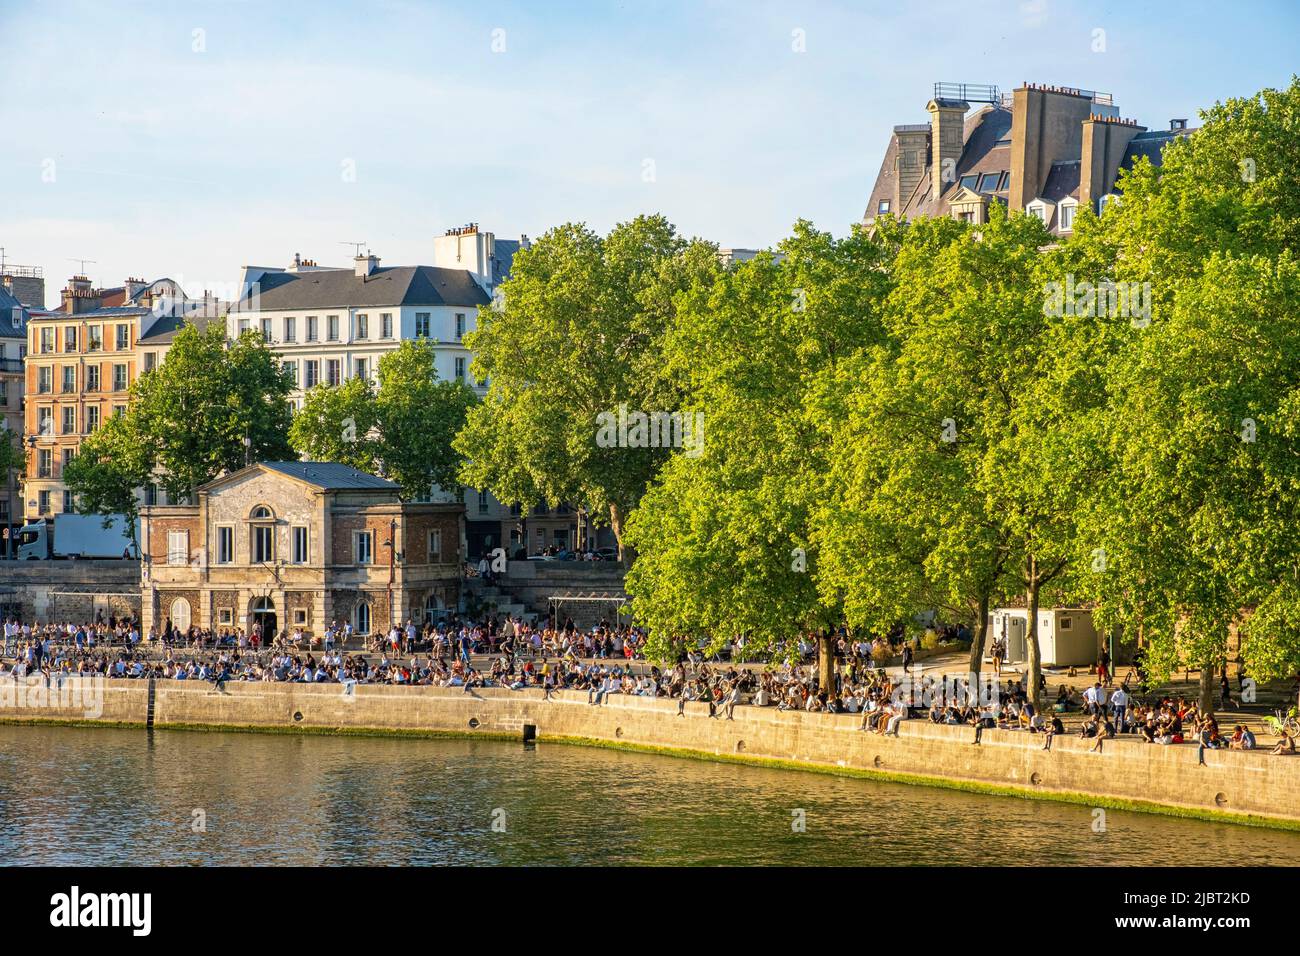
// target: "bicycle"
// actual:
[[1285, 726]]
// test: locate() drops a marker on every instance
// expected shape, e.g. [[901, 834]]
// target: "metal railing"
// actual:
[[22, 272], [970, 92]]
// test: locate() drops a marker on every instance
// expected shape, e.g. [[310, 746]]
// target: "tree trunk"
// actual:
[[616, 518], [980, 634], [1207, 687], [826, 663], [1035, 662]]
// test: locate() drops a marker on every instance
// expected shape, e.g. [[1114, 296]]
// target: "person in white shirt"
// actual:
[[1118, 708]]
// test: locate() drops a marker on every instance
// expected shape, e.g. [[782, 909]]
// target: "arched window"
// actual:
[[361, 618], [261, 513], [180, 614]]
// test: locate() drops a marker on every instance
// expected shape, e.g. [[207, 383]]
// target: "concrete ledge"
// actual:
[[1243, 787]]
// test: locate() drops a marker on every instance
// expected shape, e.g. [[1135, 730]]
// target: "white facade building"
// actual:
[[329, 325]]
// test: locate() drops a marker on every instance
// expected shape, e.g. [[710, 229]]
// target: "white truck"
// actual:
[[77, 536]]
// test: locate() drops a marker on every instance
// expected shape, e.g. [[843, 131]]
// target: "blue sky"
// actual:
[[135, 141]]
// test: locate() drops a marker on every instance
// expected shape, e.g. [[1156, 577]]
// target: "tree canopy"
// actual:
[[957, 415], [578, 332], [211, 407]]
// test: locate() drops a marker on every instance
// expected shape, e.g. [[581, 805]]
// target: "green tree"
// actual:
[[579, 330], [418, 417], [108, 469], [938, 496], [187, 422], [339, 423], [724, 542], [1196, 524], [212, 407], [11, 450]]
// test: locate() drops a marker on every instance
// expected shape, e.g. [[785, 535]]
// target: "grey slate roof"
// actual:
[[1149, 144], [984, 151], [330, 476], [8, 329], [112, 312], [986, 148], [341, 288], [504, 253], [153, 286], [1062, 181], [164, 330]]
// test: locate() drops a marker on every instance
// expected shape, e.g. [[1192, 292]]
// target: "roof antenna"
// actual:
[[358, 246], [82, 262]]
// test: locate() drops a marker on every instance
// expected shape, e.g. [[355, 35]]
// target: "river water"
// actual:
[[124, 797]]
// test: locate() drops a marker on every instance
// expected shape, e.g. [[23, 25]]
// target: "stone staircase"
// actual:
[[493, 597], [526, 588]]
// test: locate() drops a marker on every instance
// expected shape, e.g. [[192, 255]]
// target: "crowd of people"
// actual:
[[606, 660]]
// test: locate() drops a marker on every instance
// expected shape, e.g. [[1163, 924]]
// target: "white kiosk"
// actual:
[[1067, 637]]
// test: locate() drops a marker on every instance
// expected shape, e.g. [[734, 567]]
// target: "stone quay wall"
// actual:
[[1248, 787], [70, 590]]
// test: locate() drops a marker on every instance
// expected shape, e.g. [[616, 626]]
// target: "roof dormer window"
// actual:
[[1040, 210], [1065, 219]]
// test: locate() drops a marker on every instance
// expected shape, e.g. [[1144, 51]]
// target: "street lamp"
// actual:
[[391, 545]]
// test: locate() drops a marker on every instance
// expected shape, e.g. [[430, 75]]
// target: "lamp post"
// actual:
[[391, 545]]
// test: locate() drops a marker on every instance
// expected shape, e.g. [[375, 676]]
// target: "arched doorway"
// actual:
[[180, 614], [433, 609], [361, 618], [262, 612]]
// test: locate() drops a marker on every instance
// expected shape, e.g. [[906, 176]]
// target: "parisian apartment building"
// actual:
[[330, 324], [81, 360], [1043, 150]]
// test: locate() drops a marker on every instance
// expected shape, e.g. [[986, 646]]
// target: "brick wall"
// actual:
[[161, 525], [342, 531]]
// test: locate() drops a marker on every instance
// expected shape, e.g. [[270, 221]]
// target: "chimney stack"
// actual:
[[366, 265], [79, 297], [1047, 126], [1105, 141], [947, 137], [911, 159]]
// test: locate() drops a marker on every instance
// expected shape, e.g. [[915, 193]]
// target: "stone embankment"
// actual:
[[1246, 787]]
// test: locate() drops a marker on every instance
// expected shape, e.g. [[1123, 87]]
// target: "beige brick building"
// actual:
[[81, 361], [299, 544]]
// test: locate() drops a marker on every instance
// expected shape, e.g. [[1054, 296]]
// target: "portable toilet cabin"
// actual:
[[1066, 636], [1012, 625]]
